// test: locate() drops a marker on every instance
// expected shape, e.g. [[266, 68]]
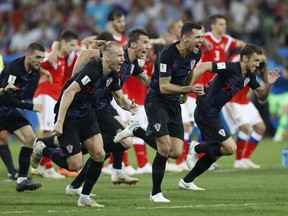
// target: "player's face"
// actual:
[[219, 26], [177, 28], [119, 24], [141, 46], [195, 40], [70, 46], [253, 62], [35, 59], [116, 58]]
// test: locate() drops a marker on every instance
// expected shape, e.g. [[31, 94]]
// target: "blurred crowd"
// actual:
[[263, 22]]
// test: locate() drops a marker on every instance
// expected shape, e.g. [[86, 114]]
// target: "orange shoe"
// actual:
[[67, 173]]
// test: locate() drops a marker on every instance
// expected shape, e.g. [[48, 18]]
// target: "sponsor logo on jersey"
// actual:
[[246, 81], [69, 148], [157, 127], [221, 65], [109, 81], [85, 80], [11, 79], [163, 68], [222, 132]]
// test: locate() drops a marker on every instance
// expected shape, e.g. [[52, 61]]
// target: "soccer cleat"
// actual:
[[172, 167], [37, 154], [183, 166], [250, 164], [73, 192], [239, 164], [27, 185], [147, 168], [129, 170], [51, 173], [158, 198], [188, 186], [215, 166], [119, 177], [67, 173], [13, 176], [192, 155], [88, 202], [127, 132]]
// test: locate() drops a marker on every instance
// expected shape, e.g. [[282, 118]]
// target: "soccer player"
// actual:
[[229, 79], [76, 121], [49, 90], [18, 73], [243, 119], [171, 78]]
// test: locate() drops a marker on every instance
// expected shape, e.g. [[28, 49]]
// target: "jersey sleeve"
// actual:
[[137, 69], [253, 84], [115, 85], [10, 75], [165, 63], [223, 68], [87, 74]]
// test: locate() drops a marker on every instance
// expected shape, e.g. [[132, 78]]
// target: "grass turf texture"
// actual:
[[228, 191]]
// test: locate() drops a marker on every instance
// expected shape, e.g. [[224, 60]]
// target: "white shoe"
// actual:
[[192, 155], [37, 154], [127, 132], [73, 192], [250, 164], [107, 170], [188, 186], [239, 164], [51, 173], [183, 166], [147, 168], [158, 198], [215, 166], [40, 170], [118, 177], [88, 202], [278, 138], [172, 167], [129, 170]]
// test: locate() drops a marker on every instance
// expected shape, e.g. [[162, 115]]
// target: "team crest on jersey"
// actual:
[[246, 81], [11, 79], [157, 127], [85, 80], [163, 68], [132, 68], [69, 148], [222, 132], [109, 81], [221, 65], [193, 63]]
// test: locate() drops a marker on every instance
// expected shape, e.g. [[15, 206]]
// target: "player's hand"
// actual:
[[183, 98], [98, 44], [273, 76], [10, 88], [37, 108], [198, 89], [133, 107], [58, 128]]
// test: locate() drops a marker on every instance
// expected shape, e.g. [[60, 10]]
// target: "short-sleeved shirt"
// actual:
[[93, 84], [16, 74], [170, 62], [127, 69], [225, 84]]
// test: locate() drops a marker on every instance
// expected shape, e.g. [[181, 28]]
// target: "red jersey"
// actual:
[[136, 90], [57, 72], [121, 40], [240, 97], [70, 61]]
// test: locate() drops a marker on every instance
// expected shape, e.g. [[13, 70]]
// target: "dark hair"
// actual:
[[249, 50], [114, 14], [188, 27], [134, 35], [105, 35], [157, 47], [213, 18], [68, 35], [35, 46]]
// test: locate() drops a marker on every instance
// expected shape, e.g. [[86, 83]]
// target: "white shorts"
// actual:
[[236, 115], [124, 114], [46, 117], [188, 109]]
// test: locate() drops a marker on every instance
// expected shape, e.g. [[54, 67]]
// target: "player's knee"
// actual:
[[99, 155], [75, 165]]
